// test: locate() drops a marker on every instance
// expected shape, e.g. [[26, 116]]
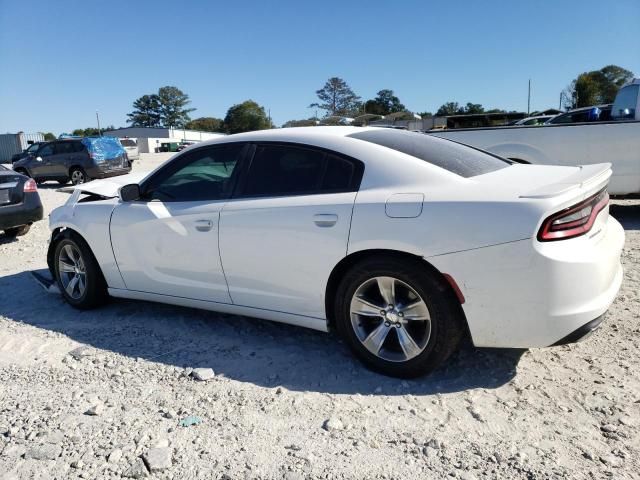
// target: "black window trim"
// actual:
[[356, 180], [181, 160]]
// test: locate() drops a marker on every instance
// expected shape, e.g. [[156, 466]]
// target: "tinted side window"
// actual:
[[63, 148], [77, 147], [289, 170], [205, 174], [45, 151]]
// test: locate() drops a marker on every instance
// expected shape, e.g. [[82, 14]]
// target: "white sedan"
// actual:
[[400, 241]]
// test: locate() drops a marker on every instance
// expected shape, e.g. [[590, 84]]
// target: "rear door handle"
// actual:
[[325, 219], [204, 225]]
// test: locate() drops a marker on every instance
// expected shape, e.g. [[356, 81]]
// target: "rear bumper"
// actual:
[[529, 294], [98, 173], [582, 332], [29, 211]]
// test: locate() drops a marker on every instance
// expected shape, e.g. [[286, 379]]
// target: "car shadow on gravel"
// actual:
[[627, 214], [267, 354]]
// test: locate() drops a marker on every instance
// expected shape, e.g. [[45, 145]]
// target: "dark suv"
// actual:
[[78, 160]]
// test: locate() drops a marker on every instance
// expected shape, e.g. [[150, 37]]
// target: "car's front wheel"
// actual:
[[399, 318], [77, 272]]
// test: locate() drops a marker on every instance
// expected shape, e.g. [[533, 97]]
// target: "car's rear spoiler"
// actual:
[[588, 176]]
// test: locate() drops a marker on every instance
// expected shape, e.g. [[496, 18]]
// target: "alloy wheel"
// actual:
[[390, 319], [72, 271], [77, 177]]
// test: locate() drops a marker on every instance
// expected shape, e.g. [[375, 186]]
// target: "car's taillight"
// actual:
[[573, 221], [30, 186]]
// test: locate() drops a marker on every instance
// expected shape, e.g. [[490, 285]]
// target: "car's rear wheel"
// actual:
[[17, 231], [399, 318], [77, 272], [78, 176]]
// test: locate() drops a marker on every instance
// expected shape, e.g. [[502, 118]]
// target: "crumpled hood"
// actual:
[[107, 187]]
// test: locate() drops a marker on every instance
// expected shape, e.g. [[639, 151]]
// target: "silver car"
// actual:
[[131, 146]]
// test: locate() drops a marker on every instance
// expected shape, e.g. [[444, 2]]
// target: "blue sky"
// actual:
[[63, 60]]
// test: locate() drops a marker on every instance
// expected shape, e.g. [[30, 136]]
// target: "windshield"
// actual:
[[127, 142], [32, 148], [452, 156]]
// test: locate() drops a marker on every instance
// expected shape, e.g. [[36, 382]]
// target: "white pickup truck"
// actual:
[[616, 141]]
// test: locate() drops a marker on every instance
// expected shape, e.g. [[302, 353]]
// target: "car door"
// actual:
[[287, 227], [58, 165], [167, 242], [39, 165]]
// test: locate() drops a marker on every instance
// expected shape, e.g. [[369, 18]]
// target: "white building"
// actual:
[[149, 139]]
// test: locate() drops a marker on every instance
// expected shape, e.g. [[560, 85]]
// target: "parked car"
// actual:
[[539, 120], [31, 149], [400, 241], [78, 160], [616, 140], [596, 113], [20, 204], [131, 147]]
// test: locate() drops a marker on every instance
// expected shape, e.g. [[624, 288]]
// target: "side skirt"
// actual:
[[297, 320]]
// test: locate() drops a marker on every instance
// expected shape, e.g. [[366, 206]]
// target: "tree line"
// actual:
[[169, 106]]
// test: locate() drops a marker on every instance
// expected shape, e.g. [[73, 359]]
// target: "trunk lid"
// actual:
[[11, 188]]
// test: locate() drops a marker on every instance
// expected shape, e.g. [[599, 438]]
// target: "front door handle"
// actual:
[[325, 219], [204, 225]]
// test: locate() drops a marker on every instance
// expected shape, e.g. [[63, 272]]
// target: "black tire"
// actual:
[[95, 293], [78, 176], [17, 231], [447, 319]]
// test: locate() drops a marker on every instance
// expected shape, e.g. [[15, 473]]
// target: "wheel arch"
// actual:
[[59, 233], [352, 259], [23, 171]]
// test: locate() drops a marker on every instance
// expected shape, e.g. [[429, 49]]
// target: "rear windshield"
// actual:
[[127, 142], [452, 156]]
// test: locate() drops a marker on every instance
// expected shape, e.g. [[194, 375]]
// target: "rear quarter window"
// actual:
[[449, 155]]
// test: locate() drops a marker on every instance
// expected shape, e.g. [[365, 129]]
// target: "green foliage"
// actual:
[[337, 98], [173, 103], [167, 108], [246, 117], [90, 131], [384, 103], [454, 108], [206, 124], [146, 112], [426, 114], [472, 108], [48, 136], [449, 108], [596, 87], [310, 122]]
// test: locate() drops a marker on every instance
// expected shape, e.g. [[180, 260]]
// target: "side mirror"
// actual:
[[39, 159], [129, 193]]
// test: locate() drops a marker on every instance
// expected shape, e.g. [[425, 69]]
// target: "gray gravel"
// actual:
[[285, 402]]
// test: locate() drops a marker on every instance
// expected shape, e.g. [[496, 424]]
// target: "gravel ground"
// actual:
[[115, 393]]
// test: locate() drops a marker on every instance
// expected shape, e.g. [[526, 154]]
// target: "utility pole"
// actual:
[[98, 119], [529, 99]]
